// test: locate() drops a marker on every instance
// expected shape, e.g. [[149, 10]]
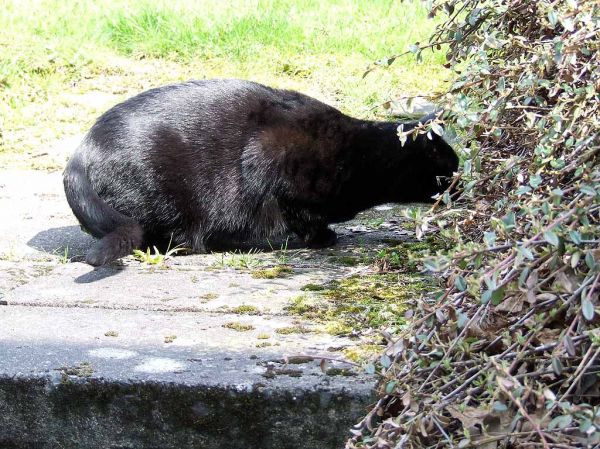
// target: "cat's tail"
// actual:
[[118, 234]]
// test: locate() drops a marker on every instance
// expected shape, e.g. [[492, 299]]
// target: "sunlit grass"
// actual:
[[63, 63]]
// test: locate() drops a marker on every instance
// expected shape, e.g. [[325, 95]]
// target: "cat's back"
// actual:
[[229, 107]]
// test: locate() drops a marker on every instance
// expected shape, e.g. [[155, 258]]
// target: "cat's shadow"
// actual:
[[71, 243]]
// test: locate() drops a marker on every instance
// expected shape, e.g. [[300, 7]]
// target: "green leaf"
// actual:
[[489, 237], [589, 260], [509, 220], [551, 237], [390, 386], [575, 237], [575, 258], [467, 167], [569, 346], [561, 422], [587, 309], [588, 190], [501, 84], [462, 320], [499, 407], [497, 296], [385, 361], [436, 128], [523, 276], [370, 368], [486, 296], [557, 366], [525, 252], [431, 264], [535, 181], [460, 283]]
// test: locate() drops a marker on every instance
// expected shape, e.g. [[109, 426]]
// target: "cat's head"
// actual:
[[430, 165]]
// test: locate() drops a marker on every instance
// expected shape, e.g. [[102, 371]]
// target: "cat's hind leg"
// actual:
[[322, 237], [311, 228]]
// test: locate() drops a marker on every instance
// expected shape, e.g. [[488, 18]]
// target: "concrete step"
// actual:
[[200, 351], [78, 378]]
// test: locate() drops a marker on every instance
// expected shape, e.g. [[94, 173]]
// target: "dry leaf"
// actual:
[[469, 416], [512, 304]]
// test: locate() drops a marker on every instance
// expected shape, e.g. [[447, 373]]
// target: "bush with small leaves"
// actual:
[[509, 354]]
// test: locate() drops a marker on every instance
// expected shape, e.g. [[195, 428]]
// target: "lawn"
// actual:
[[64, 63]]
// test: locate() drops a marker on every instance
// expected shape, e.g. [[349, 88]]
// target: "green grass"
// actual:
[[63, 63]]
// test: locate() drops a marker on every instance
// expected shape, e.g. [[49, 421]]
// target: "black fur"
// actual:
[[209, 162]]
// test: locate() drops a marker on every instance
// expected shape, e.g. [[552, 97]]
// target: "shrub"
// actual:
[[509, 354]]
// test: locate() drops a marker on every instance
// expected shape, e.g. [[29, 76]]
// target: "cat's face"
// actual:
[[433, 163]]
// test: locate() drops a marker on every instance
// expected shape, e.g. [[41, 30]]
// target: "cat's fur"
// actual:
[[208, 162]]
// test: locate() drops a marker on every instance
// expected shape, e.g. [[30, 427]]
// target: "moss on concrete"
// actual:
[[208, 297], [240, 327], [84, 369], [245, 309], [278, 271], [170, 338], [360, 302], [347, 261], [313, 288], [405, 256], [362, 352], [293, 330], [340, 372]]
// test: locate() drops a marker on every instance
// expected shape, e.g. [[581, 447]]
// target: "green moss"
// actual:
[[406, 256], [263, 344], [361, 302], [312, 288], [240, 327], [84, 369], [340, 372], [347, 261], [263, 336], [298, 360], [293, 330], [301, 305], [111, 334], [361, 353], [208, 297], [271, 374], [170, 338], [278, 271], [337, 328], [245, 309]]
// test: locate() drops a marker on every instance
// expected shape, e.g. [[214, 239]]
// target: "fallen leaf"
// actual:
[[469, 416], [512, 304]]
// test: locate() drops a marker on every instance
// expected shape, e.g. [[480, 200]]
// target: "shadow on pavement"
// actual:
[[69, 241]]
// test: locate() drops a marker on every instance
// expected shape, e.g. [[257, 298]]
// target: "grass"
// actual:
[[63, 63], [156, 258], [240, 260]]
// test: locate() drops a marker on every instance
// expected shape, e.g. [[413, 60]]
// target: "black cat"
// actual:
[[209, 162]]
